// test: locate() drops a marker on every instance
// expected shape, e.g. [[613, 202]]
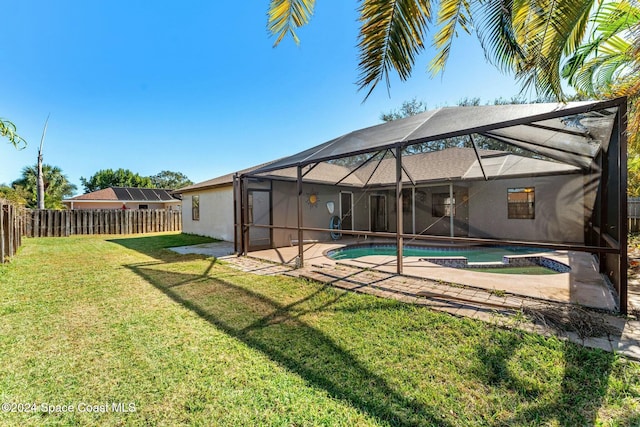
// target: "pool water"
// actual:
[[478, 254]]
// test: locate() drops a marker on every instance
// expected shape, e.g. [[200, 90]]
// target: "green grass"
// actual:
[[191, 341]]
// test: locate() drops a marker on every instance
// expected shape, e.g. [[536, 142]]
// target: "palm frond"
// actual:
[[612, 57], [545, 30], [8, 130], [451, 15], [391, 35], [286, 16], [493, 22]]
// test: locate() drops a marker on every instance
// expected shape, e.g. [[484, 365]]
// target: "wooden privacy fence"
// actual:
[[61, 223], [12, 229]]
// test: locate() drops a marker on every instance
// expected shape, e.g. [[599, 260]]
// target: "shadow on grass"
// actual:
[[154, 246], [278, 331], [581, 393]]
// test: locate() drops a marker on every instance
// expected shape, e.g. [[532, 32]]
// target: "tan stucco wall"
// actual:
[[216, 213], [481, 210], [559, 211], [285, 210]]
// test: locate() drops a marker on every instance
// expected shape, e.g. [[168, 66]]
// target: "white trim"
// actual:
[[352, 209]]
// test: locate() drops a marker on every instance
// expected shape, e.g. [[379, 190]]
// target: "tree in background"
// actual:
[[8, 130], [408, 108], [17, 196], [106, 178], [413, 107], [56, 186], [170, 180]]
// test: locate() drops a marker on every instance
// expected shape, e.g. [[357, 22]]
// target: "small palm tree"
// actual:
[[56, 186]]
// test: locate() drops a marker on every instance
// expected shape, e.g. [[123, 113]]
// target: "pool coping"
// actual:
[[541, 258], [584, 285]]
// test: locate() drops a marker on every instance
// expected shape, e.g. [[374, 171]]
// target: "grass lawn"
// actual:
[[184, 340]]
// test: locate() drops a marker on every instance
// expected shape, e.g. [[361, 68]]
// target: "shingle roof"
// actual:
[[448, 164], [128, 194], [220, 181]]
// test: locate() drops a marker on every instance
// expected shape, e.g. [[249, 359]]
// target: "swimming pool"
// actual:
[[459, 257]]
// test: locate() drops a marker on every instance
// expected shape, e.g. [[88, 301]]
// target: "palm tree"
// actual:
[[56, 186], [529, 38], [608, 64]]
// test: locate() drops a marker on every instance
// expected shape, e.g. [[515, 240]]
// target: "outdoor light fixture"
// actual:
[[330, 207]]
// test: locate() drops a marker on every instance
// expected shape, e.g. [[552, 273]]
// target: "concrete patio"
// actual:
[[583, 285]]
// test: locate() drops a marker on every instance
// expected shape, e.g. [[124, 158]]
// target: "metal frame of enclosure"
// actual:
[[588, 138]]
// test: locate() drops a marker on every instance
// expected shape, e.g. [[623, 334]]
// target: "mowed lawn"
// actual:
[[109, 324]]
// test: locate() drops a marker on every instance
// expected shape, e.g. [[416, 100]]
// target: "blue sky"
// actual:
[[196, 87]]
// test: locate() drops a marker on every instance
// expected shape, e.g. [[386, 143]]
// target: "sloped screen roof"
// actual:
[[572, 133]]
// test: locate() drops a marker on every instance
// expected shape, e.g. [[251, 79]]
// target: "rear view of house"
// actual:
[[543, 174]]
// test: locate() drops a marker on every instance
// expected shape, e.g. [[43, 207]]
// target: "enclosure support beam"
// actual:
[[475, 149], [622, 205], [358, 167], [236, 190], [399, 215], [244, 215], [300, 262]]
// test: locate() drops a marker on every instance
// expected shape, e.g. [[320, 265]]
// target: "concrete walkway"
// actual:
[[598, 329], [215, 249]]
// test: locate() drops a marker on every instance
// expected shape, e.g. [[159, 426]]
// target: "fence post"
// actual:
[[3, 226]]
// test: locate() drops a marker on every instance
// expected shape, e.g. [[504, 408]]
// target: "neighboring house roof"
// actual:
[[126, 194]]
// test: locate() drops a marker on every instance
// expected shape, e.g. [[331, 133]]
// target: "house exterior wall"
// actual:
[[559, 210], [216, 213], [285, 210], [481, 210]]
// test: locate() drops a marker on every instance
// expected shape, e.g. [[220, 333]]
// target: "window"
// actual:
[[521, 203], [195, 208], [143, 206], [442, 204]]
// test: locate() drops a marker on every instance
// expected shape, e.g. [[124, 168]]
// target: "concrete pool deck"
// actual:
[[584, 285]]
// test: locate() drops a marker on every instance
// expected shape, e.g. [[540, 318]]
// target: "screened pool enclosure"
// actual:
[[551, 176]]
